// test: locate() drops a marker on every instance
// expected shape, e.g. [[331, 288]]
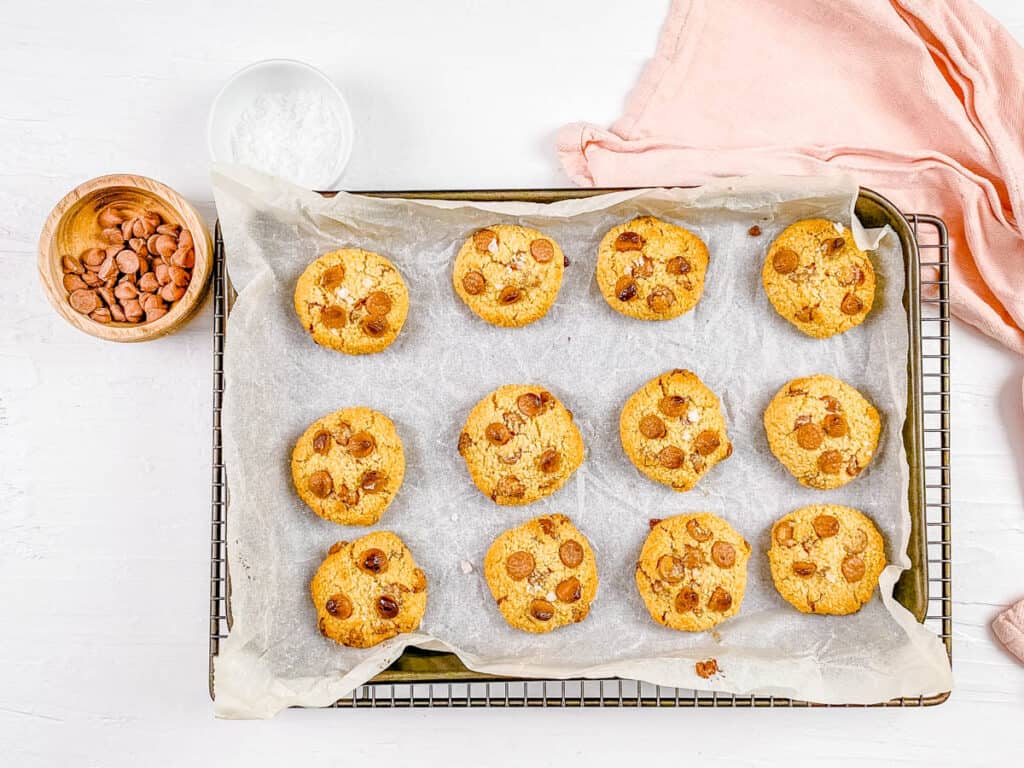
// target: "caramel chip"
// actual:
[[672, 405], [510, 486], [784, 533], [570, 553], [687, 600], [542, 250], [697, 531], [482, 240], [542, 610], [851, 305], [378, 303], [332, 278], [785, 260], [709, 668], [569, 590], [629, 241], [679, 265], [625, 288], [374, 326], [320, 484], [671, 457], [473, 282], [387, 607], [830, 462], [361, 445], [652, 427], [549, 461], [373, 561], [333, 317], [530, 404], [809, 436], [804, 568], [707, 442], [853, 568], [720, 600], [671, 568], [519, 565], [509, 295], [373, 481], [723, 554], [322, 442], [497, 433], [339, 606], [834, 425], [806, 314], [826, 526], [661, 298]]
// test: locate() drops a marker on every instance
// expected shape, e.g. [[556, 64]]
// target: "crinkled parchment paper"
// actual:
[[278, 381]]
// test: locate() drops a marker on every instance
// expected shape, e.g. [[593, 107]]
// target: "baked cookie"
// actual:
[[673, 430], [368, 590], [826, 558], [352, 300], [817, 278], [692, 571], [349, 465], [520, 444], [822, 430], [542, 574], [509, 275], [650, 269]]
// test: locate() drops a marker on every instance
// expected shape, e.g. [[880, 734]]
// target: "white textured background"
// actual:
[[104, 449]]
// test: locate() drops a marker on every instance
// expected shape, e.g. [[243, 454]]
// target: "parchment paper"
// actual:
[[278, 381]]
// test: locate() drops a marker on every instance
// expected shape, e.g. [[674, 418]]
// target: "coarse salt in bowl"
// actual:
[[284, 118]]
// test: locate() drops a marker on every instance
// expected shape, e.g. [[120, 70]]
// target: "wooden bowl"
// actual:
[[72, 227]]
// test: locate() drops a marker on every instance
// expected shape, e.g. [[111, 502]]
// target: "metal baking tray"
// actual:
[[428, 678]]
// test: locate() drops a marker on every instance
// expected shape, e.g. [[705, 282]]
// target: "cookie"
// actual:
[[509, 275], [368, 590], [817, 278], [673, 430], [542, 574], [826, 559], [822, 430], [692, 571], [349, 465], [520, 444], [650, 269], [353, 301]]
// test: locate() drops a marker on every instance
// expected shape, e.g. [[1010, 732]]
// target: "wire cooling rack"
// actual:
[[933, 262]]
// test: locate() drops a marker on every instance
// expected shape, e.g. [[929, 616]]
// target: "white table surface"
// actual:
[[104, 448]]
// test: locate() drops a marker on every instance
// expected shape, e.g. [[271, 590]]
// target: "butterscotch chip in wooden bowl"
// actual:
[[125, 258]]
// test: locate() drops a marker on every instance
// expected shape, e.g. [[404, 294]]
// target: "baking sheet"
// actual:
[[278, 381]]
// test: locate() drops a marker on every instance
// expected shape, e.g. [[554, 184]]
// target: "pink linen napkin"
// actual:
[[921, 100], [1009, 628]]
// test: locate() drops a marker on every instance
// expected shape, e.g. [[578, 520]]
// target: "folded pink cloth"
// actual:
[[919, 99], [1009, 628]]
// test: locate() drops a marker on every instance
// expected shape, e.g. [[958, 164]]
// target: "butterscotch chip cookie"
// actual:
[[822, 430], [542, 574], [817, 278], [692, 571], [349, 465], [826, 558], [509, 275], [650, 269], [368, 590], [352, 300], [520, 444], [673, 430]]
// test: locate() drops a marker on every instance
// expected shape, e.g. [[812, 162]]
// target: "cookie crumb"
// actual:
[[707, 668]]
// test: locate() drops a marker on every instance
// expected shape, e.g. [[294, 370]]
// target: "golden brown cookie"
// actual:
[[822, 430], [673, 430], [368, 590], [509, 275], [826, 558], [520, 444], [817, 278], [650, 269], [692, 571], [542, 574], [352, 300], [349, 465]]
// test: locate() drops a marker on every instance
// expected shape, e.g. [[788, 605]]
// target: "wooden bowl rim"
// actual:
[[51, 272]]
